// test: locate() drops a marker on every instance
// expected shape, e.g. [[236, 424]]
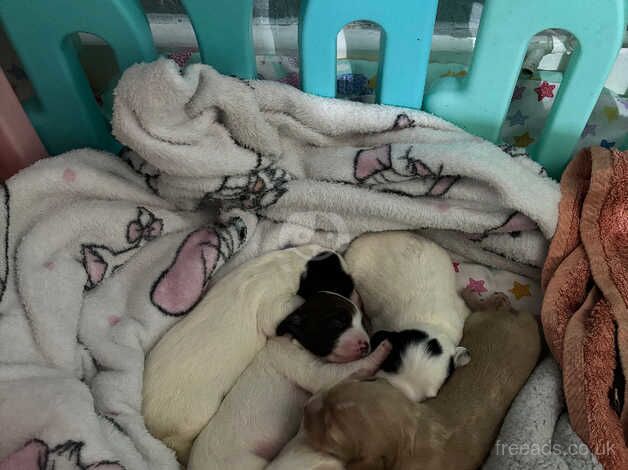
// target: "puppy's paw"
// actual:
[[361, 374], [374, 360], [498, 301], [462, 357], [472, 299], [382, 350]]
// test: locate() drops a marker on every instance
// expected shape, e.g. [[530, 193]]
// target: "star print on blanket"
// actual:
[[524, 294], [533, 100]]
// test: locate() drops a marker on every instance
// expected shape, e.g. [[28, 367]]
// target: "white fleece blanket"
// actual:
[[100, 255]]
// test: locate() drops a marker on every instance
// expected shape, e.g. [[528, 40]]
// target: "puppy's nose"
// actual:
[[364, 347]]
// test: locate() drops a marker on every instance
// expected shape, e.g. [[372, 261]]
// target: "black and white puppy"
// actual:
[[325, 272], [329, 323], [408, 287], [325, 343], [414, 350]]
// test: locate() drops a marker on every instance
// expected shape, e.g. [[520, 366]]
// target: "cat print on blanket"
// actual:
[[403, 121], [378, 166], [521, 152], [513, 225], [145, 228], [257, 190], [101, 261], [260, 188], [182, 285], [4, 238], [140, 166], [37, 455]]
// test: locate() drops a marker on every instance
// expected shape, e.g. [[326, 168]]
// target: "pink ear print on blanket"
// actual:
[[442, 185], [369, 162], [95, 265], [180, 287], [33, 456], [419, 168], [517, 222], [403, 121]]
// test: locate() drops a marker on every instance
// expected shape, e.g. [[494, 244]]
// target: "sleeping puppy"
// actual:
[[261, 413], [407, 285], [329, 324], [369, 424]]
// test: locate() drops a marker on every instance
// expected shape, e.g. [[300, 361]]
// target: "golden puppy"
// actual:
[[369, 424]]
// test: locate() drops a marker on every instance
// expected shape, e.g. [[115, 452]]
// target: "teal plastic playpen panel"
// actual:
[[43, 32], [479, 102], [407, 27], [66, 115]]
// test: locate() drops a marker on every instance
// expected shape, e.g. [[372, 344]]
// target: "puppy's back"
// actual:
[[403, 277], [505, 346], [370, 424]]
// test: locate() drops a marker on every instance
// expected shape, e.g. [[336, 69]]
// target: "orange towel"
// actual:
[[585, 309]]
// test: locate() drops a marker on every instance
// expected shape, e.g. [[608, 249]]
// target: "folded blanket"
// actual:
[[585, 310], [99, 256], [93, 266], [536, 432], [323, 171]]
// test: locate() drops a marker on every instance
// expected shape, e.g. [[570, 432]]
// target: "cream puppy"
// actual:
[[408, 289], [319, 344], [263, 410]]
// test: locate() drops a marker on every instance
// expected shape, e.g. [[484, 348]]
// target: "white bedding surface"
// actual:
[[524, 293]]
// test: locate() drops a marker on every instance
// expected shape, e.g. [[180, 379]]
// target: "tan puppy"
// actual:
[[369, 424]]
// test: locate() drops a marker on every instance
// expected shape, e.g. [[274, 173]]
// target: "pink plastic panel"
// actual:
[[19, 143]]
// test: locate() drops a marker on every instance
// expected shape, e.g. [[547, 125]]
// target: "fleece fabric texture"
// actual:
[[585, 309], [536, 433], [324, 170], [100, 255]]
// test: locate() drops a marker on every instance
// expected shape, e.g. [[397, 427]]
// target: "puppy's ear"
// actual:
[[382, 335], [461, 357], [291, 324], [325, 272]]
